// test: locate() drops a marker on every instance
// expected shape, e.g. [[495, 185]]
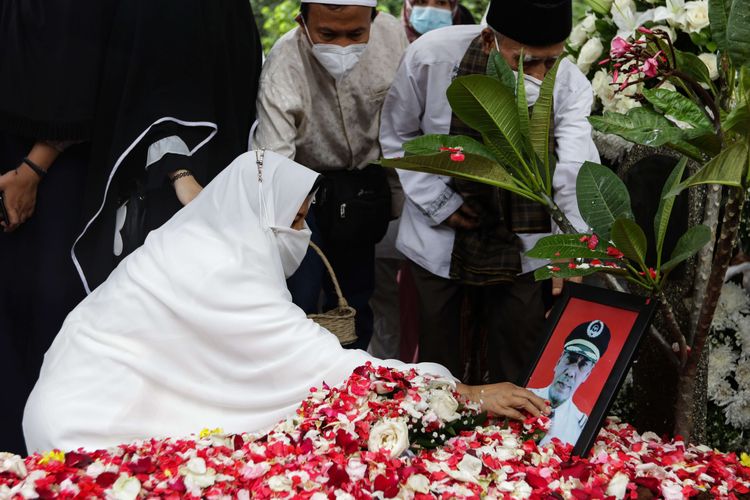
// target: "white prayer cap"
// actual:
[[363, 3]]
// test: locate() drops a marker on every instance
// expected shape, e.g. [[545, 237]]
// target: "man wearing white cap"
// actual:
[[583, 348], [465, 241], [319, 102]]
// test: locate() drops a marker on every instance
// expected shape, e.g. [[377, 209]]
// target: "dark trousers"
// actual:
[[38, 282], [354, 265], [494, 330]]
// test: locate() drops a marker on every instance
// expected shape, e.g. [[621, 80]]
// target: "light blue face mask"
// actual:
[[424, 19]]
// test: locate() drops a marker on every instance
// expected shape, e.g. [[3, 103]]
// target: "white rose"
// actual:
[[418, 483], [444, 405], [280, 483], [581, 31], [711, 63], [618, 485], [589, 54], [390, 435], [125, 488], [696, 15]]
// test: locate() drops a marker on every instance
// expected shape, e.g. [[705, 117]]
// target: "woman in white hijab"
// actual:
[[197, 328]]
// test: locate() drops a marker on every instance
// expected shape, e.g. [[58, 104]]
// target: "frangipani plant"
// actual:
[[708, 121], [514, 154]]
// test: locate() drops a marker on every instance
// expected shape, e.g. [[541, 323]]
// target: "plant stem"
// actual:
[[558, 216], [684, 408], [672, 326], [705, 256], [668, 351], [723, 254]]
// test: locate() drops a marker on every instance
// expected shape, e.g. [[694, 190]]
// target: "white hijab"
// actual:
[[195, 329]]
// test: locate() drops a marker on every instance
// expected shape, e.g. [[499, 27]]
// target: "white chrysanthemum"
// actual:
[[721, 360], [734, 299], [743, 333], [742, 375], [721, 392], [738, 411]]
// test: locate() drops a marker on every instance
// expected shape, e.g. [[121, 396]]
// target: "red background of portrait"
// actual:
[[619, 321]]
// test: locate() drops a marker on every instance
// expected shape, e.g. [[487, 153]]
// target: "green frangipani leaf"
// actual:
[[738, 120], [738, 32], [488, 107], [718, 15], [728, 168], [602, 198], [431, 144], [498, 68], [474, 168], [664, 212], [745, 82], [692, 65], [639, 125], [688, 245], [681, 108], [541, 121], [565, 246], [521, 104], [630, 239]]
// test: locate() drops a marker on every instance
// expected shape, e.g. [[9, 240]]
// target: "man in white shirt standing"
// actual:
[[467, 241], [583, 348], [321, 92]]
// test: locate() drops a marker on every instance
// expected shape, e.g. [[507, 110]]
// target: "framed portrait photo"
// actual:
[[592, 336]]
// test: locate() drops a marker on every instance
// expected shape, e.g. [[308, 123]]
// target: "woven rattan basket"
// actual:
[[339, 321]]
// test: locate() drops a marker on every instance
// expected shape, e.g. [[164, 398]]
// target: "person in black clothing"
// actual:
[[81, 83]]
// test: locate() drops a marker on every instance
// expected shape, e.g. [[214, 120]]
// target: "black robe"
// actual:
[[185, 68]]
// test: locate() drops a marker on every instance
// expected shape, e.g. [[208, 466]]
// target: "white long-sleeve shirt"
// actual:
[[417, 105]]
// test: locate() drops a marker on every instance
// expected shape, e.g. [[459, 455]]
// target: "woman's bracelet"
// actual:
[[36, 168], [180, 175]]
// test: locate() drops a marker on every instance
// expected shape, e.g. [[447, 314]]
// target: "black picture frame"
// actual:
[[642, 306]]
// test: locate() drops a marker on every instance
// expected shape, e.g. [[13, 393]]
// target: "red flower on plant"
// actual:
[[593, 242], [614, 252], [650, 67], [619, 47]]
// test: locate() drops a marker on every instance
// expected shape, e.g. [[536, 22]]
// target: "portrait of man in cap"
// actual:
[[583, 348]]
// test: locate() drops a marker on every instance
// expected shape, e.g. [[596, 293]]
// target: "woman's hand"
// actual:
[[186, 188], [19, 190], [505, 400]]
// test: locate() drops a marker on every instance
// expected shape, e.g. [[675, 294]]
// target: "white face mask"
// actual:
[[337, 60], [292, 245]]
